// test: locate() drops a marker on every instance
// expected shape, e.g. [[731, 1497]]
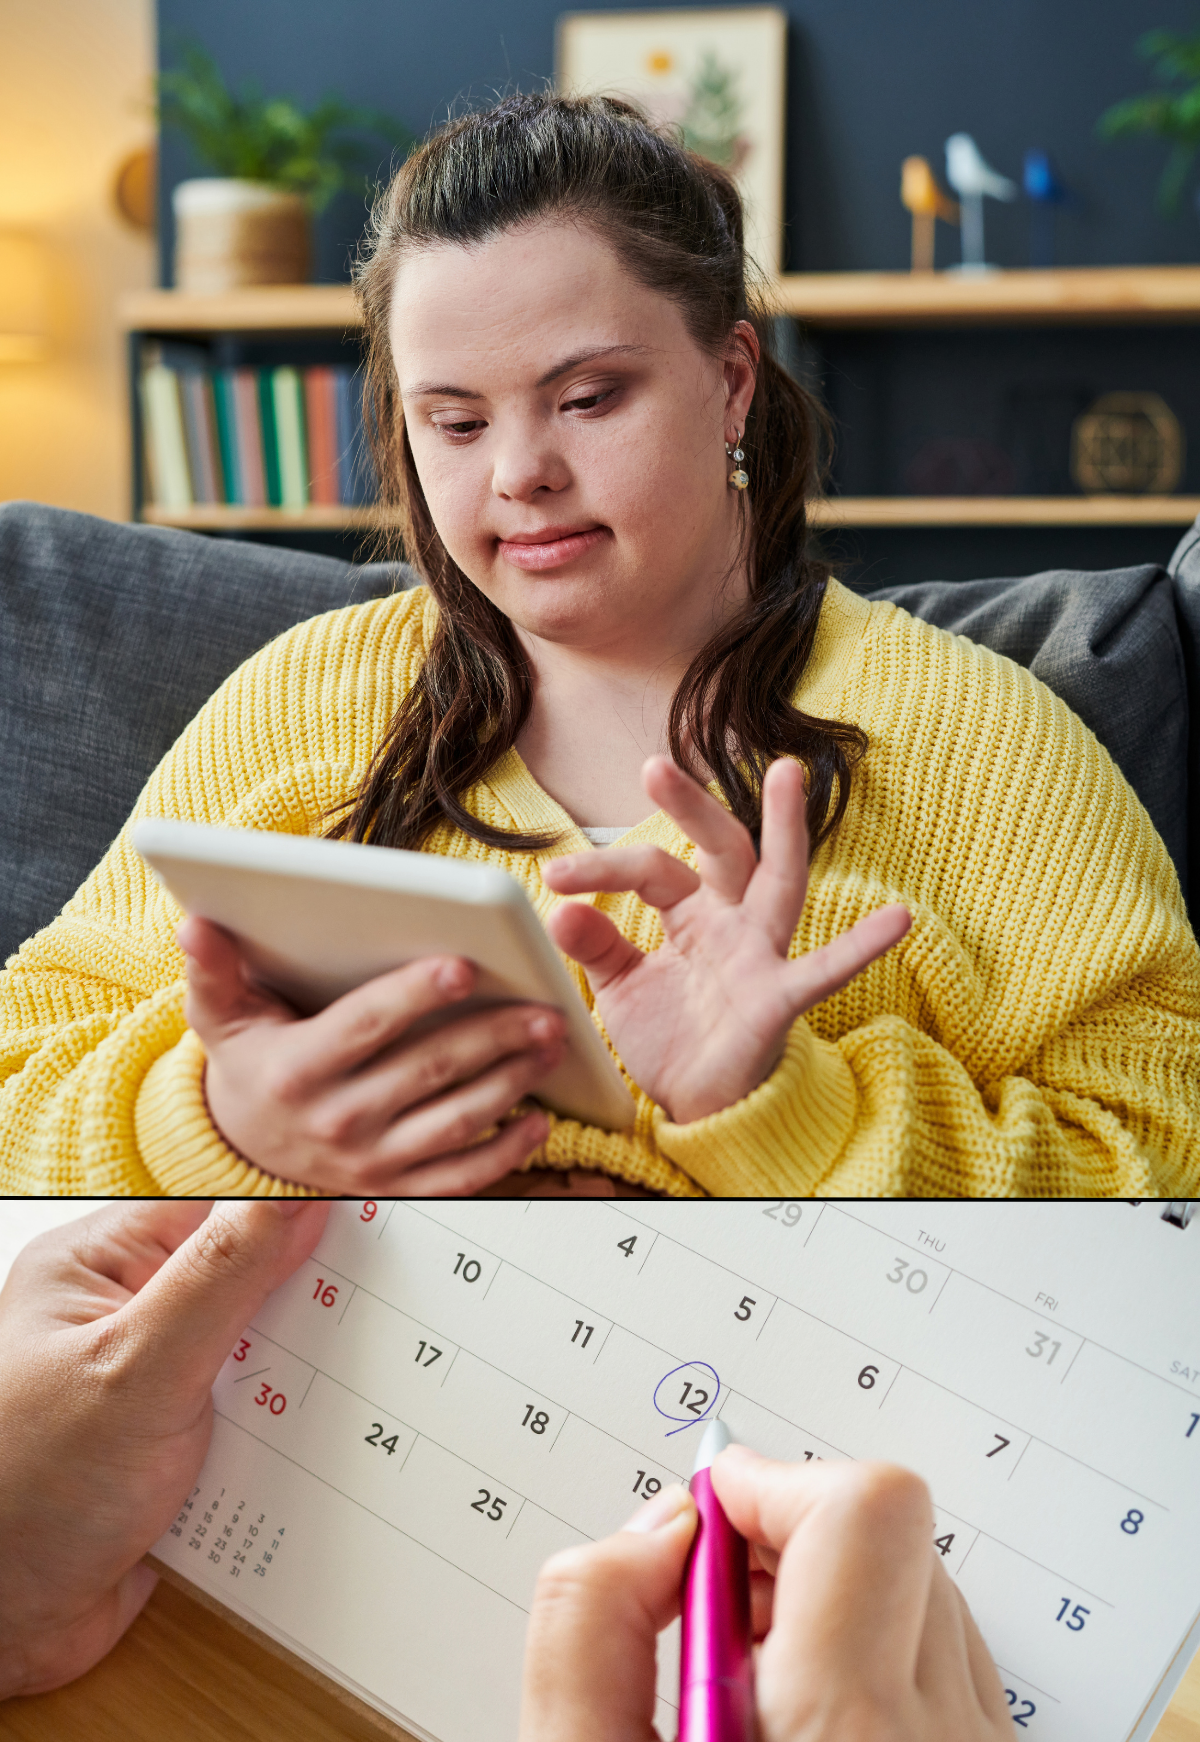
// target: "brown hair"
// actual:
[[675, 221]]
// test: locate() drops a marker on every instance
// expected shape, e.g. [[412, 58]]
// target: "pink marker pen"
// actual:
[[716, 1672]]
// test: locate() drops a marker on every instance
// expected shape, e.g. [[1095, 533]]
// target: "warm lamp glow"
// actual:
[[22, 299]]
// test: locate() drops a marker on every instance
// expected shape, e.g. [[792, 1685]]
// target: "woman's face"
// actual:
[[570, 437]]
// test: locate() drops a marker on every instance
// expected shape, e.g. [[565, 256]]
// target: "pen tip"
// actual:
[[716, 1437]]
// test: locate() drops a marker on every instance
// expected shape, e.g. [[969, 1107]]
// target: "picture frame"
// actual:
[[720, 75]]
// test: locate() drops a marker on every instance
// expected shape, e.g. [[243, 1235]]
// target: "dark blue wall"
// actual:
[[869, 82]]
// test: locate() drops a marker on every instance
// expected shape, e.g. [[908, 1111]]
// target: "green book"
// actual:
[[222, 382], [287, 391], [270, 443]]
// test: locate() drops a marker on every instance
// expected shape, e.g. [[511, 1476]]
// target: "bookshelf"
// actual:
[[831, 308]]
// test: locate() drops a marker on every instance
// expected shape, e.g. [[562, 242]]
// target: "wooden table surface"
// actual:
[[185, 1673]]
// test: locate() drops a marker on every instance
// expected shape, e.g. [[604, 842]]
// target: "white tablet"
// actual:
[[316, 918]]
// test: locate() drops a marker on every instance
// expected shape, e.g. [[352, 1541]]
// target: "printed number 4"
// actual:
[[1026, 1712], [1075, 1620]]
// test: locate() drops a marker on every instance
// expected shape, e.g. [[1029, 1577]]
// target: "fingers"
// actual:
[[416, 1071], [854, 1568], [177, 1331], [591, 939], [460, 1176], [776, 892], [453, 1122], [596, 1616], [655, 876], [360, 1024], [989, 1689], [90, 1267], [221, 995], [822, 972], [727, 857]]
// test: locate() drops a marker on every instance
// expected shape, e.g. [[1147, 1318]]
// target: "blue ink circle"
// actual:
[[689, 1418]]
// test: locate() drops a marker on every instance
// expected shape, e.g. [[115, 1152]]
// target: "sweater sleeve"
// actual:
[[1037, 1032], [101, 1081]]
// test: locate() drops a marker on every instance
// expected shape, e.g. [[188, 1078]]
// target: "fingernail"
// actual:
[[452, 977], [661, 1510], [289, 1206], [545, 1027]]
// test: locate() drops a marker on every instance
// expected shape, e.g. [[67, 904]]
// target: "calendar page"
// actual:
[[448, 1393]]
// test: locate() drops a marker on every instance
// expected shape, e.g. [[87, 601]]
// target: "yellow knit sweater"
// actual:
[[1037, 1031]]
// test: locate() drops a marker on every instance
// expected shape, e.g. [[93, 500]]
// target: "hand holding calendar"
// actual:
[[112, 1331]]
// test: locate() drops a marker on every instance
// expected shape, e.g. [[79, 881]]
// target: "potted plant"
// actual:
[[1173, 113], [274, 164]]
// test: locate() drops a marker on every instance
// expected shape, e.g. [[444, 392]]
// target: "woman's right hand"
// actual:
[[348, 1101], [863, 1637]]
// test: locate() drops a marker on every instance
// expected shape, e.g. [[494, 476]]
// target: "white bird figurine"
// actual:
[[971, 178]]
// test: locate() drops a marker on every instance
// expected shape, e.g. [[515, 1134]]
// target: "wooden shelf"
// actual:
[[279, 308], [1005, 511], [215, 517], [847, 511], [1081, 295]]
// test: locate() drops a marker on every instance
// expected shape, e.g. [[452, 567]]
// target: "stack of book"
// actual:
[[257, 438]]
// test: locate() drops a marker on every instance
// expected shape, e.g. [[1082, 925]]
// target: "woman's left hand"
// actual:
[[702, 1020], [112, 1331]]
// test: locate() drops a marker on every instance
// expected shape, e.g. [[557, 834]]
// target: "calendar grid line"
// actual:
[[1020, 1678]]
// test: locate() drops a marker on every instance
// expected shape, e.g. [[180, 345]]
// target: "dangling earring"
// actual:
[[737, 477]]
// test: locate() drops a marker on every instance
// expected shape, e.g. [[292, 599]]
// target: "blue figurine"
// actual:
[[1046, 191]]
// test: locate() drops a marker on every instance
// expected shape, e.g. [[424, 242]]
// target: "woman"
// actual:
[[602, 476]]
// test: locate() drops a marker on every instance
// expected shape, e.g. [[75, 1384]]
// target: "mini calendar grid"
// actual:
[[446, 1394]]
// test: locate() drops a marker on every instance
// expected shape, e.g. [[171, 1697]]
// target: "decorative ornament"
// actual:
[[737, 477], [972, 179], [920, 193], [1130, 443]]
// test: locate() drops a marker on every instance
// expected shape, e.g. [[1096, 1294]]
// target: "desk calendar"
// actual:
[[448, 1393]]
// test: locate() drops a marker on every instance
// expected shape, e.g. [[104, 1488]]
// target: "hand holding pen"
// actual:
[[861, 1635]]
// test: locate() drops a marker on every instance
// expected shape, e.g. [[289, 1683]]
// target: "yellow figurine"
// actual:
[[927, 203]]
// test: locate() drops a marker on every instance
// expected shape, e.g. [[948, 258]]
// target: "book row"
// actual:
[[268, 437]]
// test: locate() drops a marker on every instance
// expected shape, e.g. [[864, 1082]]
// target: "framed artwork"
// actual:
[[718, 75]]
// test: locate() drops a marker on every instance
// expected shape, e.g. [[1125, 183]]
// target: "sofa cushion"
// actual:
[[1184, 568], [111, 638], [1108, 643]]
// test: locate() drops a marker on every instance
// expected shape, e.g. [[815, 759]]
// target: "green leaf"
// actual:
[[271, 139]]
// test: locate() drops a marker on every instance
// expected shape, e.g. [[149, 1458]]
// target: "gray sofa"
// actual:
[[111, 638]]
